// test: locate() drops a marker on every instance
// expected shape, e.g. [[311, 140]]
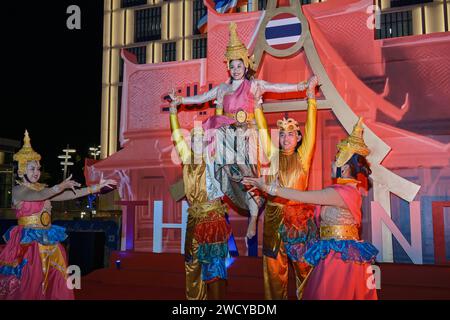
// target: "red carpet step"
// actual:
[[161, 276]]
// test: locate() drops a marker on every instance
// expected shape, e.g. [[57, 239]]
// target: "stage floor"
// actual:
[[145, 276]]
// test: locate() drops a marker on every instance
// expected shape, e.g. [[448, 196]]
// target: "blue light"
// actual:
[[229, 261]]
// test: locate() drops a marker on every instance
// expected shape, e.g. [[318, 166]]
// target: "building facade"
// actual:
[[166, 30], [7, 150]]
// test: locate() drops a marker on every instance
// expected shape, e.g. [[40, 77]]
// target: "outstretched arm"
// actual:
[[326, 197], [177, 136], [265, 86], [24, 193], [74, 194], [201, 98], [70, 195]]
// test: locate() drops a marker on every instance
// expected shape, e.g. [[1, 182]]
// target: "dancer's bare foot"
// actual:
[[251, 230]]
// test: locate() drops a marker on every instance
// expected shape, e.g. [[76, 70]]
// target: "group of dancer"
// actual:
[[318, 232]]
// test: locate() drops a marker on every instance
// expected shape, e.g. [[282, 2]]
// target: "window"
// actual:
[[305, 2], [147, 24], [132, 3], [199, 11], [169, 51], [400, 3], [199, 48], [262, 4], [395, 24], [140, 53]]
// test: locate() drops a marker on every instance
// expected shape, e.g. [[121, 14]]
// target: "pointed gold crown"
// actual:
[[26, 154], [354, 143], [288, 125], [236, 50]]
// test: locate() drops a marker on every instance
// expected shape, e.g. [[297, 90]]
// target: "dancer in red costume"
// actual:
[[341, 261]]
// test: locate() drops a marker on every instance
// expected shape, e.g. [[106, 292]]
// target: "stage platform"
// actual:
[[161, 276]]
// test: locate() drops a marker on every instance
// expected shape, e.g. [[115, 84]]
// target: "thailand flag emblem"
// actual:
[[283, 31]]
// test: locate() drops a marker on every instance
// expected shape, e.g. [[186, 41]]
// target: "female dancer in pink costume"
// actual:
[[341, 261], [237, 140], [33, 265]]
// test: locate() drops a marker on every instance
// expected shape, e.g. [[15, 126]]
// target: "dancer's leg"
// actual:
[[195, 287], [276, 273], [217, 289]]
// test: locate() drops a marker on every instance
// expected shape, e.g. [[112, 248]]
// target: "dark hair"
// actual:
[[358, 165], [299, 143]]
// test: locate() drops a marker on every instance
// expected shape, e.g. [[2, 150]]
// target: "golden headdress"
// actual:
[[236, 50], [354, 143], [26, 154], [288, 125]]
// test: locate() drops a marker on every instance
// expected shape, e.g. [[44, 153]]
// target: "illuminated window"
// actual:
[[395, 24], [147, 24], [199, 11], [199, 47], [262, 4], [169, 51]]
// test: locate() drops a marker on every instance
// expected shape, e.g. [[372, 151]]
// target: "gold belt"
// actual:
[[241, 116], [199, 210], [343, 232], [41, 220]]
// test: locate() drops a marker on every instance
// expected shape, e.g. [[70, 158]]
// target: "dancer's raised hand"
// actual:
[[176, 99], [311, 86], [109, 183], [68, 184]]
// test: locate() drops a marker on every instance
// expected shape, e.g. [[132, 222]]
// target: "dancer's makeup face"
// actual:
[[289, 140], [237, 69], [33, 171], [345, 171]]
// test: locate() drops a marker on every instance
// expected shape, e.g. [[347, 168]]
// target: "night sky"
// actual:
[[52, 78]]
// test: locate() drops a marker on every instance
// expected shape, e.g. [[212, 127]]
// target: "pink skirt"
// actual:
[[335, 279], [29, 286]]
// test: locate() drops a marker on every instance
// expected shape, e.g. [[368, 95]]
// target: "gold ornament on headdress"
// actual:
[[288, 125], [236, 50], [353, 144], [25, 155]]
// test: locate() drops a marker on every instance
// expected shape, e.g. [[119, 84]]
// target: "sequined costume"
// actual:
[[236, 135], [289, 227], [342, 262], [33, 264], [206, 244]]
